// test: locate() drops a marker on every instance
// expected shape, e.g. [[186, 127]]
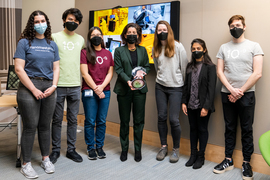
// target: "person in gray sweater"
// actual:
[[170, 61]]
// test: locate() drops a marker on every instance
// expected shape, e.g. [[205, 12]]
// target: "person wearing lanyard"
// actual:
[[97, 71]]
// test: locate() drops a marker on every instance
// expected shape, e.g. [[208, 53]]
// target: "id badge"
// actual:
[[88, 93]]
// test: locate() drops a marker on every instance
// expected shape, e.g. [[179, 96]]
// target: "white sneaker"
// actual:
[[28, 171], [48, 166]]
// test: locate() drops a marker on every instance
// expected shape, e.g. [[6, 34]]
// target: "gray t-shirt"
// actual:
[[238, 62]]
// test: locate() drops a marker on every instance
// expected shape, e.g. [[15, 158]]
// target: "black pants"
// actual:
[[198, 129], [171, 96], [244, 108], [135, 101]]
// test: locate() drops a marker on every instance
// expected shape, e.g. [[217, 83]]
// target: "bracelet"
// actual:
[[54, 86]]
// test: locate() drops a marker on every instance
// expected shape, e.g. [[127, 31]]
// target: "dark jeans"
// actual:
[[171, 96], [95, 110], [72, 95], [244, 108], [198, 129], [134, 100], [36, 114]]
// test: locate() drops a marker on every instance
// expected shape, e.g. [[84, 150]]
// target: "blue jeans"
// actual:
[[95, 110]]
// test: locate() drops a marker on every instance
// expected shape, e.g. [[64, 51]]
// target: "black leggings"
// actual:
[[198, 129]]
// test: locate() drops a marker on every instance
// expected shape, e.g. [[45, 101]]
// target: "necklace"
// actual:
[[132, 49]]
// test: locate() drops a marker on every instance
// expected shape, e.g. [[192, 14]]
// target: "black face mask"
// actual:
[[71, 26], [236, 32], [162, 36], [96, 40], [131, 39], [197, 54]]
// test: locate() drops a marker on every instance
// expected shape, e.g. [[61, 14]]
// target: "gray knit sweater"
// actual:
[[171, 71]]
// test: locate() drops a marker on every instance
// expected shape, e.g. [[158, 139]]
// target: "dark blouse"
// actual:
[[134, 58], [194, 101]]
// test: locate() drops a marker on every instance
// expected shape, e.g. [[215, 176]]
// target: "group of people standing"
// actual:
[[49, 67]]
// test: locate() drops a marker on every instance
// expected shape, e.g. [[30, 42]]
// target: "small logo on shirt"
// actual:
[[70, 45], [99, 59]]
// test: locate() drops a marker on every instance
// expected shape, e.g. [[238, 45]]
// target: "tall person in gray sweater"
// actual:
[[170, 60]]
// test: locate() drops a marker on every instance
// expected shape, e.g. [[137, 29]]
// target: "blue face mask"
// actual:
[[40, 28]]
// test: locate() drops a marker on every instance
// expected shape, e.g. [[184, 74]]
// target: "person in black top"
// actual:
[[198, 99], [127, 58]]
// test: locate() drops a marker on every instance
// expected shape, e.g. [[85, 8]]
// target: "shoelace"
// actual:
[[29, 168], [48, 164]]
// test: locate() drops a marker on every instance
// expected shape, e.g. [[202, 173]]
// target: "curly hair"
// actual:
[[29, 33]]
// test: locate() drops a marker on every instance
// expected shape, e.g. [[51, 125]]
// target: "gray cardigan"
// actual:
[[171, 71]]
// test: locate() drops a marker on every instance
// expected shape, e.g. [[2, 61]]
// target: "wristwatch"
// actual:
[[54, 86]]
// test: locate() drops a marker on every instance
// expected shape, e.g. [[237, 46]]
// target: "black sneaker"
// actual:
[[247, 171], [73, 155], [100, 153], [225, 165], [92, 155], [54, 156]]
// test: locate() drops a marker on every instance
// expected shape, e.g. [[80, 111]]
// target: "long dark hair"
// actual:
[[206, 57], [169, 48], [29, 32], [90, 49]]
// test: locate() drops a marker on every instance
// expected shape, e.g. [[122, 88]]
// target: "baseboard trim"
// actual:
[[213, 153]]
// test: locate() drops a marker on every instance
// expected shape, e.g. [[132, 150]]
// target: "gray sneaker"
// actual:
[[28, 171], [174, 156], [162, 153], [48, 166]]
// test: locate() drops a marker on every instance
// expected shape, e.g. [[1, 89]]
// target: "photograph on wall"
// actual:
[[147, 16], [112, 22]]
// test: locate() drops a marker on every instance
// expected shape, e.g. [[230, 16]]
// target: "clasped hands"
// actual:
[[40, 95], [99, 91], [236, 94]]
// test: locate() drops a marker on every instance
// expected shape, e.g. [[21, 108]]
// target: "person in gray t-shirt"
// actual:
[[239, 68]]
